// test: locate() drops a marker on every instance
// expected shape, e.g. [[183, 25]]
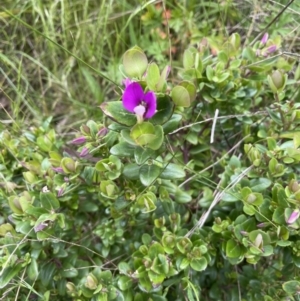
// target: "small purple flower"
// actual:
[[79, 140], [265, 38], [293, 217], [138, 102]]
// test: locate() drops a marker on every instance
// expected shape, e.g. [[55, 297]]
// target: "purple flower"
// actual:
[[138, 102], [293, 217], [79, 140], [265, 38]]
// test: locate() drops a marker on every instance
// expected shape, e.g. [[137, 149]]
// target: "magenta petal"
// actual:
[[150, 100], [132, 97]]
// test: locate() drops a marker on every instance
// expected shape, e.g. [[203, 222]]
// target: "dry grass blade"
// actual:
[[216, 200]]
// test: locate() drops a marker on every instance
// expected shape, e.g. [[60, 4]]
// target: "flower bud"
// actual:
[[277, 81], [264, 38], [102, 132], [91, 282], [60, 191], [79, 140], [85, 129], [294, 185], [293, 217], [84, 152], [71, 288], [271, 49], [261, 225], [58, 169]]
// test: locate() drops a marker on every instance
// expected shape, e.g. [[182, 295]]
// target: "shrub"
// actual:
[[187, 190]]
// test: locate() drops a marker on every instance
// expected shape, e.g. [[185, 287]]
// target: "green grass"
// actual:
[[41, 79]]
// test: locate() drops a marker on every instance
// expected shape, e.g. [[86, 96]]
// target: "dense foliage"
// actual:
[[195, 201]]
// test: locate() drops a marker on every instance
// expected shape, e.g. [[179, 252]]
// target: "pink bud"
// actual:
[[84, 152], [58, 169], [79, 140], [261, 225], [102, 132], [40, 227], [60, 191], [293, 217], [265, 38], [271, 49]]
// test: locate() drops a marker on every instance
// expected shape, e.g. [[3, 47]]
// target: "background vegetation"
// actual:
[[60, 60]]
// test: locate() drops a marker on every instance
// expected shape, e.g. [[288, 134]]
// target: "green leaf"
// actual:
[[156, 143], [222, 56], [125, 133], [124, 268], [199, 264], [116, 111], [181, 96], [188, 59], [233, 249], [131, 171], [260, 185], [182, 197], [162, 83], [172, 171], [32, 270], [274, 116], [47, 272], [123, 149], [291, 287], [143, 133], [49, 201], [146, 202], [146, 239], [8, 274], [149, 173], [184, 263], [141, 155], [164, 110], [124, 283], [190, 87], [135, 62], [153, 76], [172, 124]]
